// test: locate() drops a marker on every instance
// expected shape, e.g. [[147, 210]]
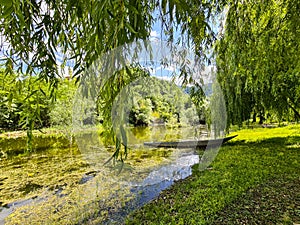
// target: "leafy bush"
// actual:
[[24, 102], [61, 112]]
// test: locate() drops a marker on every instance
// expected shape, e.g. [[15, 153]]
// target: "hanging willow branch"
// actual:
[[34, 32]]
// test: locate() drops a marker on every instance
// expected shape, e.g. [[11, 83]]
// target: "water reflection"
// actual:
[[147, 171], [102, 193]]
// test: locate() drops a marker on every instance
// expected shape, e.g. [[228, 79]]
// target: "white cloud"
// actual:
[[170, 68], [154, 33], [207, 74]]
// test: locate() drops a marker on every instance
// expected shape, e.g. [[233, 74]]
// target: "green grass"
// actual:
[[253, 180]]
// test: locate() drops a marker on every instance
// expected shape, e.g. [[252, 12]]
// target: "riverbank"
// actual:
[[15, 142], [253, 180]]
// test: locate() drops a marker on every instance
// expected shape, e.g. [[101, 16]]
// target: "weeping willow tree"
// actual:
[[258, 59], [33, 32]]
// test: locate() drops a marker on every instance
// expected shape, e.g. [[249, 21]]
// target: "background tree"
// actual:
[[258, 59]]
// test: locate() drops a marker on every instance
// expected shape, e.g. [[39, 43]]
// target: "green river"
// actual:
[[69, 183]]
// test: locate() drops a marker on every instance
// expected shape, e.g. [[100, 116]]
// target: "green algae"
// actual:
[[53, 177], [28, 175], [92, 201]]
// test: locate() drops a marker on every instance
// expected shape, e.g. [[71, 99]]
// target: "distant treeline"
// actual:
[[152, 101]]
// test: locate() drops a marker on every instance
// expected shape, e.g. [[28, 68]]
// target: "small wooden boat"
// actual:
[[190, 143]]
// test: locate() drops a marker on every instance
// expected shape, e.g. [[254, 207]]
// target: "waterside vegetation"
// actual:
[[253, 180]]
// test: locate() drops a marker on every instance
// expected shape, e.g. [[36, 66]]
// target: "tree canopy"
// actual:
[[258, 59], [82, 31]]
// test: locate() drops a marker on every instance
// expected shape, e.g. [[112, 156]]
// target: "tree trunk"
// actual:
[[261, 119], [297, 115], [254, 118]]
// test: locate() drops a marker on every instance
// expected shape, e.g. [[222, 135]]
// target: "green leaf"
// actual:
[[130, 28], [6, 2], [124, 135], [7, 11]]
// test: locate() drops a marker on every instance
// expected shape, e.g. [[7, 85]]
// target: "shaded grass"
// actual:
[[259, 160], [276, 201]]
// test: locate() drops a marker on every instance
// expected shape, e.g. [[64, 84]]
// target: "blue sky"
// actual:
[[157, 34], [162, 72]]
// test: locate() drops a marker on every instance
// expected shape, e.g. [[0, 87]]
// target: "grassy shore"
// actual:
[[255, 179]]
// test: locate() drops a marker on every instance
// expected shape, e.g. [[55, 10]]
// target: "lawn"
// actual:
[[255, 179]]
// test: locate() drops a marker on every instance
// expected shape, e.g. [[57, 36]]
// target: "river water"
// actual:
[[75, 186]]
